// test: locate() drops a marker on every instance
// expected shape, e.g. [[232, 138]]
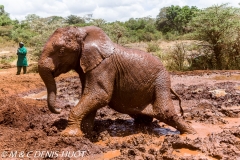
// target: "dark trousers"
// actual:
[[19, 68]]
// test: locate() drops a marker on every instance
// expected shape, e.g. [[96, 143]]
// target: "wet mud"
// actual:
[[211, 103]]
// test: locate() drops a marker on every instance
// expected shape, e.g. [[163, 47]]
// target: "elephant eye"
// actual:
[[69, 40], [61, 51]]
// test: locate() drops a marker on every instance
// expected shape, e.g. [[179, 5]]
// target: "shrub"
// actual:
[[33, 68], [152, 47], [178, 58], [7, 59]]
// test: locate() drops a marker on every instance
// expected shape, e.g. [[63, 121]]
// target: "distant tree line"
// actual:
[[217, 29]]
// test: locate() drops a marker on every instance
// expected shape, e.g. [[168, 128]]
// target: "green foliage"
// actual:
[[44, 27], [153, 47], [19, 35], [170, 36], [175, 18], [218, 26], [5, 22], [201, 62], [4, 17], [136, 24], [98, 22], [115, 31], [5, 30], [34, 31], [178, 58], [142, 29], [21, 31], [73, 19]]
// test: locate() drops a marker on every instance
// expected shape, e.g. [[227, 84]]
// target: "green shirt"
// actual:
[[22, 59]]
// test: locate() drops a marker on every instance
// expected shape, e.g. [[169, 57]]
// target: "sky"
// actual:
[[109, 10]]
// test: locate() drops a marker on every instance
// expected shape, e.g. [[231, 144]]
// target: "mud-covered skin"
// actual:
[[129, 81]]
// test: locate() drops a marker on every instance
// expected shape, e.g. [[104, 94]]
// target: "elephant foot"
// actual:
[[184, 127], [72, 131], [181, 125], [188, 130]]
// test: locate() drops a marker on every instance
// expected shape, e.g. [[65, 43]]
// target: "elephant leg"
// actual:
[[140, 118], [82, 116], [164, 110], [97, 93], [88, 123]]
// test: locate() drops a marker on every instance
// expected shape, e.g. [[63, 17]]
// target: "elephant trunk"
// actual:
[[50, 83]]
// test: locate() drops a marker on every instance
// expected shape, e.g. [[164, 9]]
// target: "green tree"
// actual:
[[175, 18], [115, 31], [43, 28], [98, 22], [218, 25], [35, 31], [5, 23], [4, 17], [32, 18], [136, 23], [142, 29], [73, 19]]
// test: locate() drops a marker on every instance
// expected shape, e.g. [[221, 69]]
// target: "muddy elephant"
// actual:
[[128, 80]]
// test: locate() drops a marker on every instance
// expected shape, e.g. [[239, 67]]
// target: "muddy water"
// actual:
[[185, 152], [117, 136], [43, 95], [115, 129], [106, 156], [204, 130], [39, 95]]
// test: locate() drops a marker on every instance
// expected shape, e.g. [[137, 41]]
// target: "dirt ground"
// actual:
[[210, 99]]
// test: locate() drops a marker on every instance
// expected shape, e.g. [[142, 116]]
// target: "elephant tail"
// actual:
[[179, 99]]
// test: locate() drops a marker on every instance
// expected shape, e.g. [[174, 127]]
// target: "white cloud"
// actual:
[[80, 6], [120, 13], [108, 10]]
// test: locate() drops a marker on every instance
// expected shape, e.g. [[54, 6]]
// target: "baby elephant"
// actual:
[[130, 81]]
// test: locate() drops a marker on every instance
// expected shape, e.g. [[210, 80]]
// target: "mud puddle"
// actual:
[[184, 152], [204, 130], [42, 95], [118, 127], [39, 95], [69, 95], [26, 123]]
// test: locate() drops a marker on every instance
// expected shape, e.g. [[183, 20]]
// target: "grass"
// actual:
[[152, 47], [7, 59], [33, 68]]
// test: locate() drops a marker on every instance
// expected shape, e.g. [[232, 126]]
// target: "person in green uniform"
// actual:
[[22, 59]]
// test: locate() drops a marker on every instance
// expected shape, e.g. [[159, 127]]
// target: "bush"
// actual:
[[33, 68], [153, 47], [178, 58], [7, 59], [170, 36]]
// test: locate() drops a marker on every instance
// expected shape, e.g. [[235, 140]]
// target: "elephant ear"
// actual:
[[95, 48]]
